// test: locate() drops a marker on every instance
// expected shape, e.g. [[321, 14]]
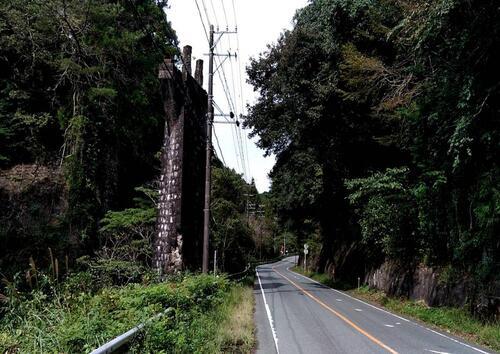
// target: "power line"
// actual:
[[224, 11], [206, 13], [229, 87], [236, 111], [232, 132], [218, 145], [242, 147], [230, 103], [240, 159], [226, 88], [234, 14], [201, 18], [232, 106], [215, 14], [240, 79]]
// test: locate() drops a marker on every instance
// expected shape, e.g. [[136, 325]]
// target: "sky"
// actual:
[[259, 22]]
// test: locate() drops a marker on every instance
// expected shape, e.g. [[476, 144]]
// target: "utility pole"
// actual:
[[208, 152], [210, 122]]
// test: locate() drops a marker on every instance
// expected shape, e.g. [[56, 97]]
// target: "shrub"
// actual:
[[75, 321]]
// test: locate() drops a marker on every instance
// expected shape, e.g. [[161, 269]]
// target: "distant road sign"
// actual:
[[306, 251], [306, 246]]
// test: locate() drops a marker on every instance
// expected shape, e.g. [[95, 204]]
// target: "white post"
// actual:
[[215, 262], [306, 251]]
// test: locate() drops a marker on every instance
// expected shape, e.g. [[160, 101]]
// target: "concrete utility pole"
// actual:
[[208, 152]]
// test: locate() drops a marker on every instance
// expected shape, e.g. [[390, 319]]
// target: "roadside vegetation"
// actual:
[[81, 127], [236, 334], [457, 321], [383, 117], [76, 306], [202, 313]]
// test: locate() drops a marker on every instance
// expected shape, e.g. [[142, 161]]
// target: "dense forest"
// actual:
[[81, 118], [81, 128], [384, 118]]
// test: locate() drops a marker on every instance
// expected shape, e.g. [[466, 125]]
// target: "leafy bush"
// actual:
[[385, 207], [232, 236], [77, 322], [126, 244]]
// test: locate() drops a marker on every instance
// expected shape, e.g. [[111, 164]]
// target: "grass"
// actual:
[[206, 315], [237, 333], [457, 321]]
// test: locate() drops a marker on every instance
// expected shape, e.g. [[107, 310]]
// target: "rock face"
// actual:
[[33, 201], [431, 286], [180, 207], [421, 283]]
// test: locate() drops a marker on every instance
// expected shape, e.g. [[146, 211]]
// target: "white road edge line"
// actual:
[[390, 313], [269, 317]]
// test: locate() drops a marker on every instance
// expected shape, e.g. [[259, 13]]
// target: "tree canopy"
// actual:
[[384, 117], [79, 93]]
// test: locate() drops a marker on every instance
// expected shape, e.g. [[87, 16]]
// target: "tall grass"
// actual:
[[79, 322], [237, 331]]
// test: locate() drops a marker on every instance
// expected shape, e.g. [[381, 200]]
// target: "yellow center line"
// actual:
[[339, 315]]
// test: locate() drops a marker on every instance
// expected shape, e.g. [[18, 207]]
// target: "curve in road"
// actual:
[[295, 314]]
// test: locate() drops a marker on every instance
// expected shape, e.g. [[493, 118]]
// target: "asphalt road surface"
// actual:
[[295, 314]]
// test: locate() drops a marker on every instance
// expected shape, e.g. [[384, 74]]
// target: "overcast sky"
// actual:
[[260, 22]]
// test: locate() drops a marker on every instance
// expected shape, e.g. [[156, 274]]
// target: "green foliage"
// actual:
[[126, 219], [386, 211], [232, 237], [80, 90], [78, 322], [126, 247], [317, 87], [31, 216], [383, 116]]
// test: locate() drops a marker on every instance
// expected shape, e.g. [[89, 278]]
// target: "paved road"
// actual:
[[295, 314]]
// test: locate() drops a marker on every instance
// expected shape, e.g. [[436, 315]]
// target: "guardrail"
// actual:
[[250, 268], [123, 339]]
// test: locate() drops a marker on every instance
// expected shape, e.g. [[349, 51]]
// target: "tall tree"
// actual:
[[79, 91], [384, 119]]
